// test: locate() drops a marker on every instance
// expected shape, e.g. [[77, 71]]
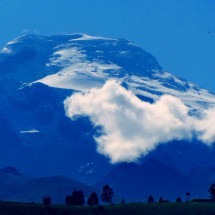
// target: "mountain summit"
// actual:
[[80, 62], [122, 96]]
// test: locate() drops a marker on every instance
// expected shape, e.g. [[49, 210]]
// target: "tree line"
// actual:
[[77, 197]]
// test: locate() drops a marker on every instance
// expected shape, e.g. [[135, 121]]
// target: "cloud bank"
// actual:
[[131, 127]]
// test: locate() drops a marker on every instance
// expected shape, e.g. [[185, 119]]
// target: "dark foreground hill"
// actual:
[[15, 186], [135, 182], [127, 209]]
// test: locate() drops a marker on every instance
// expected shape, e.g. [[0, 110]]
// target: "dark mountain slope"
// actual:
[[15, 186], [135, 182]]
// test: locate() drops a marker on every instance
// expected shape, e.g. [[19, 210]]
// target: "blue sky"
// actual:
[[179, 33]]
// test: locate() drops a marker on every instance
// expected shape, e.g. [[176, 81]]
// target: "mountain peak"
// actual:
[[62, 60], [25, 38], [10, 170]]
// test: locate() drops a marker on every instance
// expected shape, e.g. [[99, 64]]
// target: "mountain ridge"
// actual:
[[17, 187], [137, 181]]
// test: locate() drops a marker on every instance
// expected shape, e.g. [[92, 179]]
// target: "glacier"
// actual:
[[81, 62]]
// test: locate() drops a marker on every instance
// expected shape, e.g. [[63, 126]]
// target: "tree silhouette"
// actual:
[[151, 199], [93, 199], [178, 199], [123, 201], [77, 198], [47, 200], [187, 196], [161, 200], [211, 190], [68, 200], [107, 194]]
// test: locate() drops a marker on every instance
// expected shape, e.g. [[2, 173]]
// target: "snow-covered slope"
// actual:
[[37, 73], [82, 62]]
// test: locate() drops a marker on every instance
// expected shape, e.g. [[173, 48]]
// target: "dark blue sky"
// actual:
[[179, 33]]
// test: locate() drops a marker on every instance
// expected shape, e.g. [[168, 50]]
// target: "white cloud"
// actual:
[[206, 126], [131, 127]]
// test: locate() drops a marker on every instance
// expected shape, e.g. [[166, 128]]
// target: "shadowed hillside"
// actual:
[[15, 186]]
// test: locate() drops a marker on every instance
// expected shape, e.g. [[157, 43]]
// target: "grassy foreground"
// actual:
[[127, 209]]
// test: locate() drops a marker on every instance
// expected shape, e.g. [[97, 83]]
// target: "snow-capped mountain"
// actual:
[[37, 74], [81, 62]]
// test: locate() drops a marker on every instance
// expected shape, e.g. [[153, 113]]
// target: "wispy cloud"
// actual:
[[131, 127], [29, 31]]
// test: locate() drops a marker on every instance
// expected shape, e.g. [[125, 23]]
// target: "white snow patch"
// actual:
[[32, 131], [87, 37], [16, 40], [132, 44], [78, 73], [191, 97], [99, 51], [6, 50], [124, 52]]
